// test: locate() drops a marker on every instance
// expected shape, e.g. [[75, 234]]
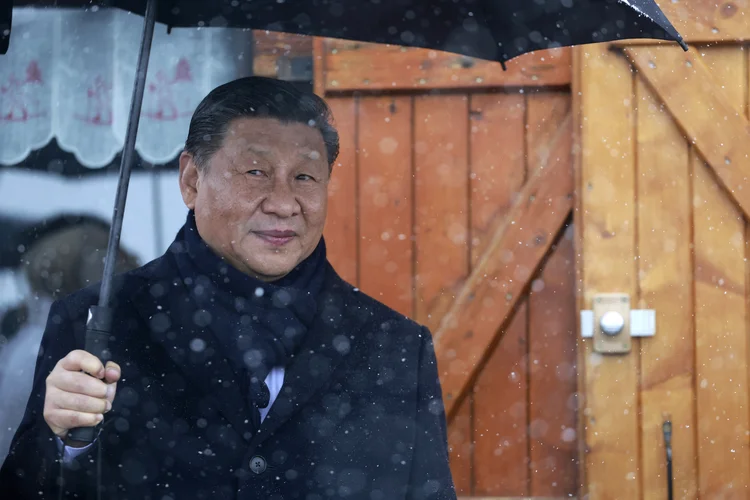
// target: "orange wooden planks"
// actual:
[[501, 450], [341, 226], [498, 166], [552, 375], [461, 444], [368, 66], [441, 197], [497, 172], [453, 200], [385, 201], [552, 341], [499, 280], [546, 113]]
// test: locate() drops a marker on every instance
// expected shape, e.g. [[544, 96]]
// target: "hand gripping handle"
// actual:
[[98, 332]]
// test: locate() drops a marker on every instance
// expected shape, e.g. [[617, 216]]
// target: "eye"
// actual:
[[255, 172], [305, 177]]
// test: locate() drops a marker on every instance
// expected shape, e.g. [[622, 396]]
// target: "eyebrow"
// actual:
[[258, 149], [263, 151]]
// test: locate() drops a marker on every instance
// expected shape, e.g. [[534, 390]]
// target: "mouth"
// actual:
[[276, 237]]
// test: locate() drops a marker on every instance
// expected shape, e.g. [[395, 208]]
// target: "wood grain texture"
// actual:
[[485, 302], [468, 175], [319, 74], [720, 315], [461, 448], [368, 66], [498, 162], [501, 415], [385, 201], [552, 375], [341, 231], [552, 339], [666, 285], [608, 246], [579, 118], [705, 22], [442, 202], [704, 110]]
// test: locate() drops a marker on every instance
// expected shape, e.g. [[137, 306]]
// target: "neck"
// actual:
[[245, 269]]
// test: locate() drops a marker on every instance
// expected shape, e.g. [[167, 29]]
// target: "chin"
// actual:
[[270, 268]]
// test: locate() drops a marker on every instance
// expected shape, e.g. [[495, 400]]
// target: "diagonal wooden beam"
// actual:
[[474, 323], [706, 21], [700, 107]]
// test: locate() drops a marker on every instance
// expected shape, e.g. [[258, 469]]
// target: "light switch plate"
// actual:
[[642, 323]]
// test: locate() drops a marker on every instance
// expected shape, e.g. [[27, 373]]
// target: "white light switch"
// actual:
[[642, 323]]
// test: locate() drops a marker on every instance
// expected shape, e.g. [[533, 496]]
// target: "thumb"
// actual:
[[111, 372], [111, 376]]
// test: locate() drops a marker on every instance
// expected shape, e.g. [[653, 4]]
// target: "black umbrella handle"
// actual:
[[98, 331]]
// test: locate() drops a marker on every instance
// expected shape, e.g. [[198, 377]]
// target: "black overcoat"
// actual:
[[360, 413]]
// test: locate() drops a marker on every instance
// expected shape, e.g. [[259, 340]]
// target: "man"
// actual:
[[244, 366], [57, 263]]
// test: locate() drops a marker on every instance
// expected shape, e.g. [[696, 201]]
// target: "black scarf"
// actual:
[[266, 321]]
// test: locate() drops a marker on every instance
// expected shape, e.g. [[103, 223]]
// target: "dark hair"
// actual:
[[259, 97]]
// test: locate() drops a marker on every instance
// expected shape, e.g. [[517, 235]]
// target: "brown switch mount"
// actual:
[[612, 323]]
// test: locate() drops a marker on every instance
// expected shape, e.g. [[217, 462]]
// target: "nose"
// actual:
[[280, 200]]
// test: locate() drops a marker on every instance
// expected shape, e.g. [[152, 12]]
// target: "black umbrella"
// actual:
[[488, 29], [496, 30]]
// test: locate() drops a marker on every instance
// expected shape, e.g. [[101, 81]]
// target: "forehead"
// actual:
[[272, 134]]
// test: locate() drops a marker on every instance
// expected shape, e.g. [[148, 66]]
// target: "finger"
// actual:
[[111, 390], [112, 372], [79, 402], [79, 360], [78, 383], [68, 419]]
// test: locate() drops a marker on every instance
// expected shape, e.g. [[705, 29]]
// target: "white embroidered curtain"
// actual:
[[68, 75]]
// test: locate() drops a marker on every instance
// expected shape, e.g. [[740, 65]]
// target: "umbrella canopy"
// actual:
[[496, 30]]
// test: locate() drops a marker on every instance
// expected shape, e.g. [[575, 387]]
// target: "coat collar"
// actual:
[[165, 306]]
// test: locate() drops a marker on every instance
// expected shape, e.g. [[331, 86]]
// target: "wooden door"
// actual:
[[662, 215], [455, 208]]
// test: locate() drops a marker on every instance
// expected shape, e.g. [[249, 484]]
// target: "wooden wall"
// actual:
[[663, 216], [422, 184]]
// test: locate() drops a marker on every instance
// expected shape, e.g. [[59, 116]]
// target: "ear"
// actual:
[[189, 179]]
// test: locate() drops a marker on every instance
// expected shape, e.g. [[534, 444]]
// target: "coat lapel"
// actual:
[[326, 345], [166, 307]]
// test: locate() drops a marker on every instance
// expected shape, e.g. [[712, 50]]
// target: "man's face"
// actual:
[[261, 201]]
